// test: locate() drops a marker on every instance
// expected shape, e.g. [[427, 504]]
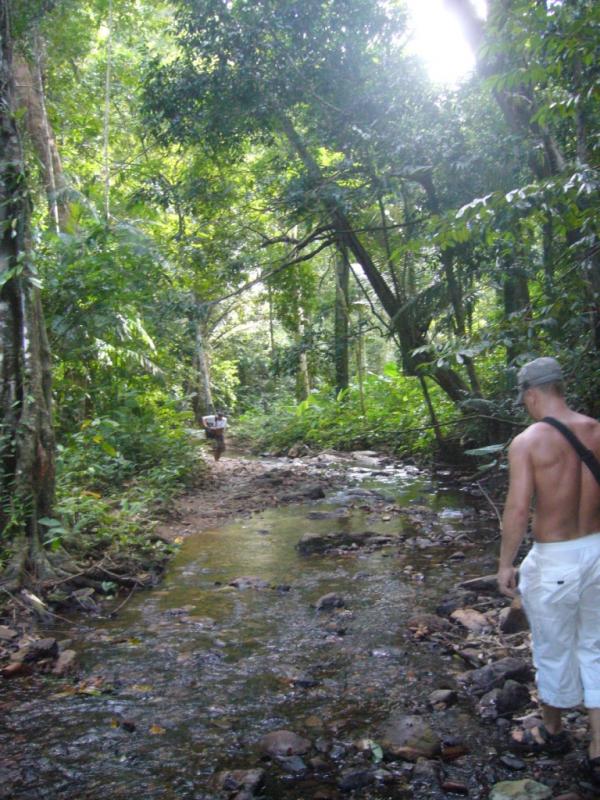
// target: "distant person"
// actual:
[[214, 425], [559, 579]]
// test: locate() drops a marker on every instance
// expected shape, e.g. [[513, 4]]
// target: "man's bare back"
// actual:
[[567, 496]]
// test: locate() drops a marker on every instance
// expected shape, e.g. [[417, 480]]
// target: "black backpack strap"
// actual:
[[588, 458]]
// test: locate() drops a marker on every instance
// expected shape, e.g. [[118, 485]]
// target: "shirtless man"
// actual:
[[559, 579]]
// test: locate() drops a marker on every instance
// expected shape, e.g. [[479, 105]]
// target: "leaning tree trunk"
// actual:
[[26, 434], [342, 274]]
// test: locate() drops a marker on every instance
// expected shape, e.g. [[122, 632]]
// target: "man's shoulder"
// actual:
[[527, 437]]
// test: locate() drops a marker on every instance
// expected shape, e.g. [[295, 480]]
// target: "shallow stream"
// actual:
[[188, 677]]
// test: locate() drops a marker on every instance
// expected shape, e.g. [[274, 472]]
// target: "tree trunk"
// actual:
[[30, 95], [303, 375], [515, 291], [27, 450], [342, 275], [203, 400]]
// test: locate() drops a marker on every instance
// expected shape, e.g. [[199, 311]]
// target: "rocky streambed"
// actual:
[[324, 632]]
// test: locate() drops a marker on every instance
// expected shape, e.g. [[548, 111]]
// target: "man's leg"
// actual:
[[594, 715], [552, 718]]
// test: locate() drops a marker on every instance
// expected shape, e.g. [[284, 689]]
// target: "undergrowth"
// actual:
[[389, 414]]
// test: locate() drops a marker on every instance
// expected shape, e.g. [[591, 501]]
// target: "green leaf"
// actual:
[[486, 451]]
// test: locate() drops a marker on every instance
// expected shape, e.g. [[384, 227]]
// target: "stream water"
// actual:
[[188, 677]]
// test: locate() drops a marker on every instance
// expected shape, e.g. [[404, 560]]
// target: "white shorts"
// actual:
[[560, 586]]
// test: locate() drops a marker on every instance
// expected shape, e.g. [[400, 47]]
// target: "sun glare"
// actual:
[[439, 41]]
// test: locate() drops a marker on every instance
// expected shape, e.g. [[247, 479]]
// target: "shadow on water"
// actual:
[[185, 681]]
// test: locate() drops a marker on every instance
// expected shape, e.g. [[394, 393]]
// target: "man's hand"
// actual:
[[507, 581]]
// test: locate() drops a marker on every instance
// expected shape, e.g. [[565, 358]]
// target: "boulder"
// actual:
[[494, 675], [409, 737], [526, 789], [283, 743], [471, 619]]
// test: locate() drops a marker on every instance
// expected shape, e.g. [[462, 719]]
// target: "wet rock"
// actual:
[[305, 682], [339, 514], [526, 789], [427, 771], [292, 764], [322, 542], [249, 582], [493, 675], [471, 619], [454, 601], [357, 778], [453, 748], [409, 737], [65, 663], [511, 697], [128, 725], [36, 650], [513, 618], [283, 743], [315, 543], [310, 491], [330, 601], [443, 698], [430, 623], [248, 780], [454, 787], [512, 762]]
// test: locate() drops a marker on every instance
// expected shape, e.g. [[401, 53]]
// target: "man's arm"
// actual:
[[516, 513]]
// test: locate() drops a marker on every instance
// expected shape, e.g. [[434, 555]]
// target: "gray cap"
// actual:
[[537, 373]]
